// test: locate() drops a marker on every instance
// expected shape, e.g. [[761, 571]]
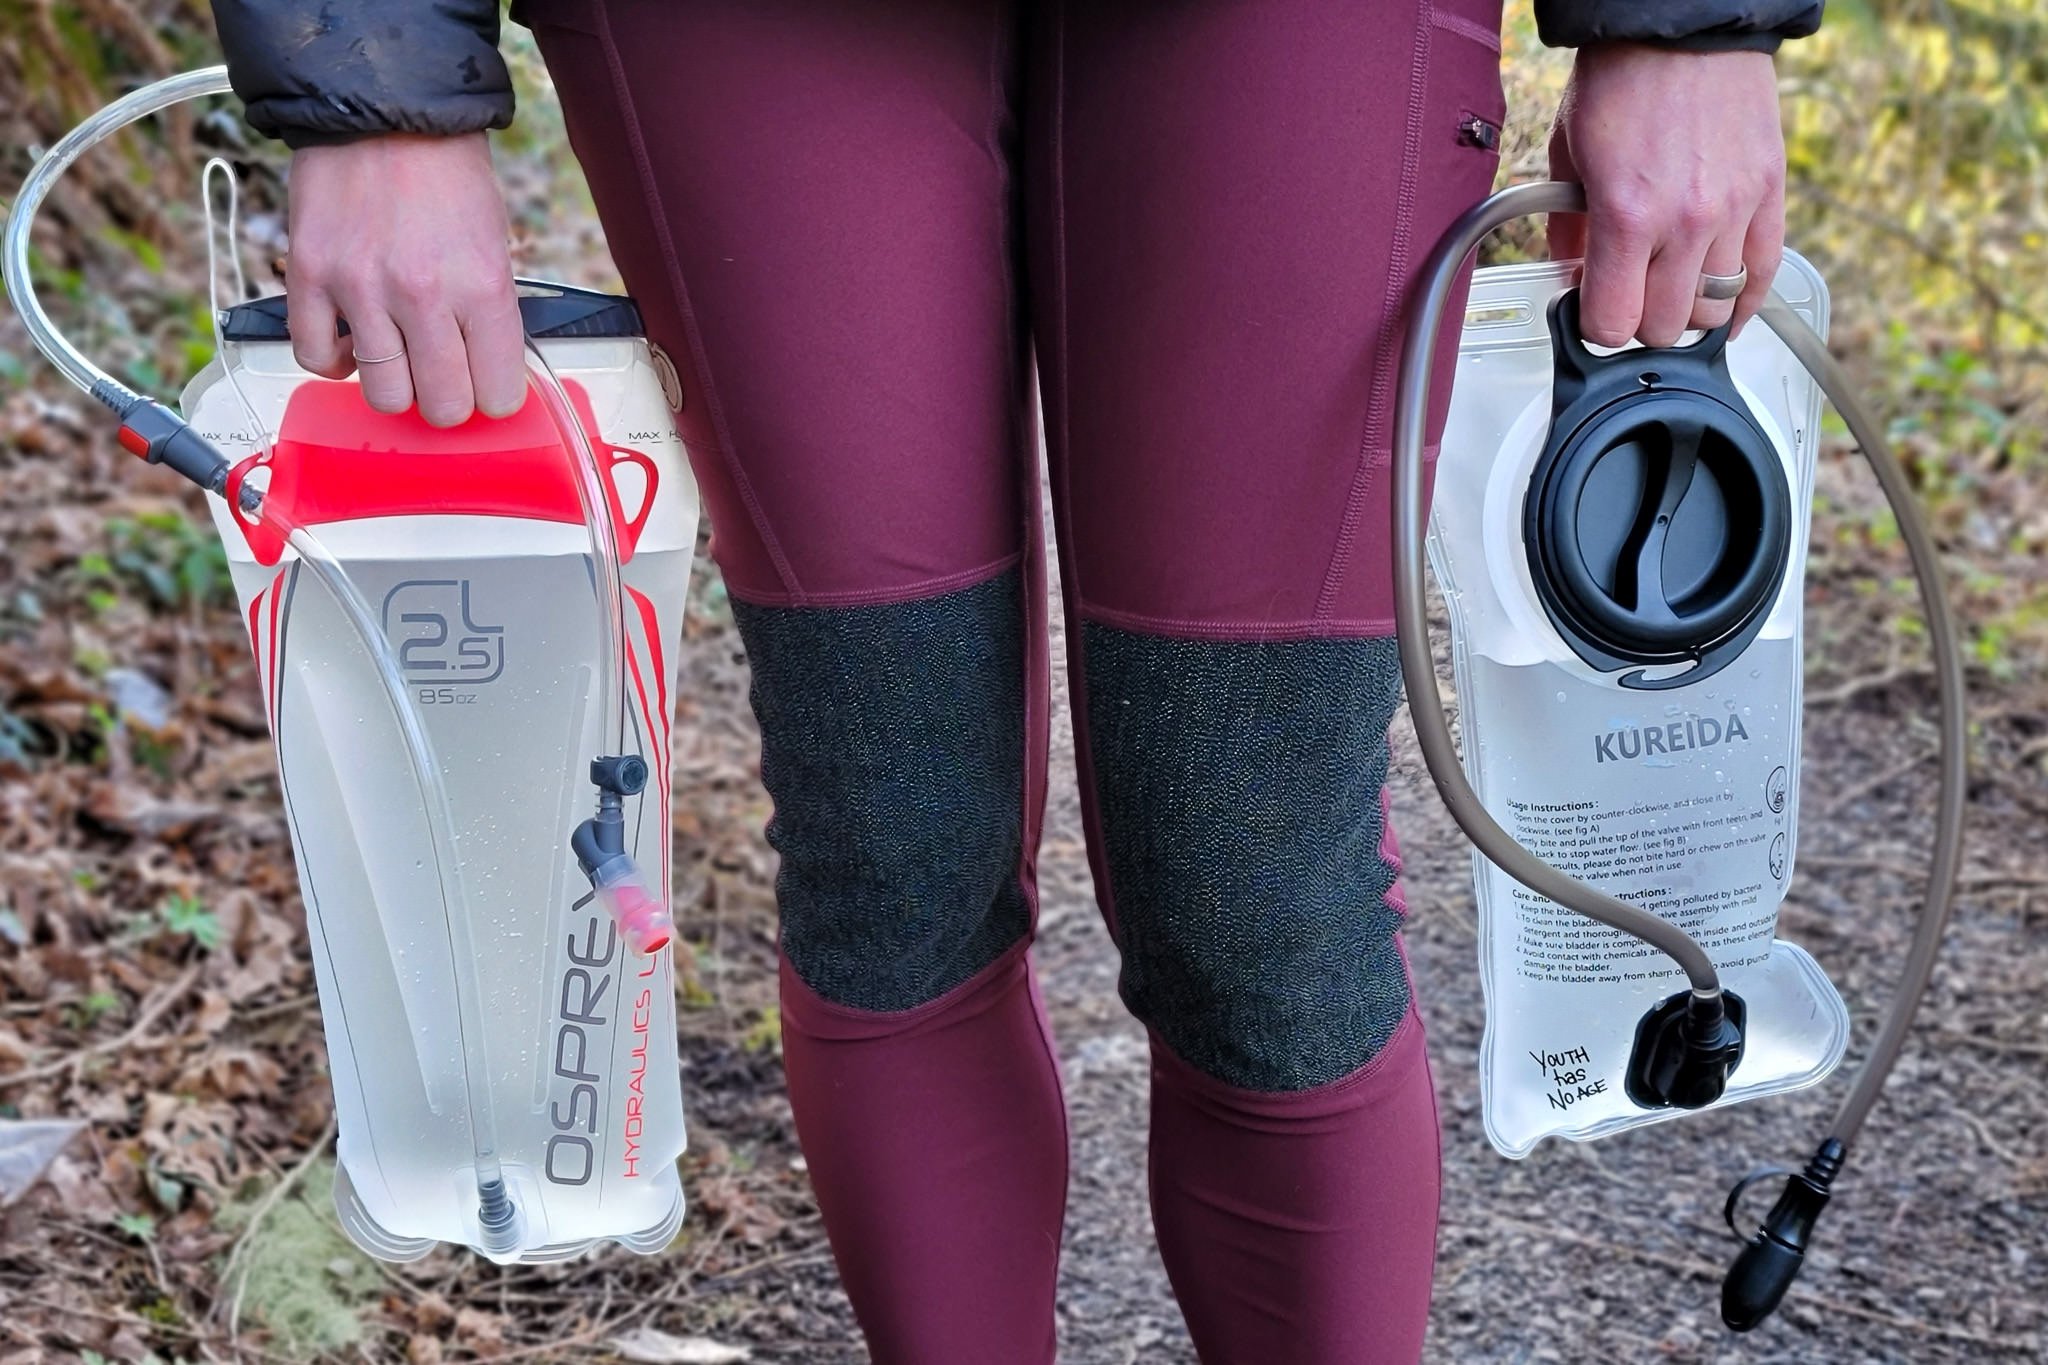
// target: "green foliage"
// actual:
[[766, 1034], [173, 561], [93, 1008], [1917, 166], [299, 1276], [185, 916]]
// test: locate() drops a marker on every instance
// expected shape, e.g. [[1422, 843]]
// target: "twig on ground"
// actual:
[[1869, 682], [1999, 1045], [1872, 786], [228, 1275], [152, 1010]]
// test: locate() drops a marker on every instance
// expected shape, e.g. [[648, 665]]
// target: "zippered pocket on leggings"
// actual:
[[1474, 131]]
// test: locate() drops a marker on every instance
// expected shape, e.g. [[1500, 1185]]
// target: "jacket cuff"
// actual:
[[1684, 25], [312, 72]]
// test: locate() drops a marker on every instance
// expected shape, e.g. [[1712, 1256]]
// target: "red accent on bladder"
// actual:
[[337, 459]]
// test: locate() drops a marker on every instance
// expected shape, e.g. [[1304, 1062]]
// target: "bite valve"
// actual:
[[1770, 1260], [615, 878], [1685, 1049]]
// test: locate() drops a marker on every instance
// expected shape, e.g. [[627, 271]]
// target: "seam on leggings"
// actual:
[[1038, 640], [650, 193], [916, 591], [1194, 1078], [1396, 897], [1390, 314], [895, 1022], [1007, 236], [1466, 28], [1264, 632], [1070, 567]]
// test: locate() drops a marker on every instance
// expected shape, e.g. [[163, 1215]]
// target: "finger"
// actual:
[[1611, 288], [1762, 249], [309, 317], [1672, 284], [440, 367], [1723, 257], [495, 341], [1564, 232], [380, 350]]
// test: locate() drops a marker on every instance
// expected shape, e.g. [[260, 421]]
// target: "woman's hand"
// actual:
[[405, 237], [1684, 167]]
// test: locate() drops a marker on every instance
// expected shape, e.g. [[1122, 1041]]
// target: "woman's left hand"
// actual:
[[1683, 162]]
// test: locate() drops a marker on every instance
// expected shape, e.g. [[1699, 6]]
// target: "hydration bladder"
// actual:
[[1620, 538], [465, 639]]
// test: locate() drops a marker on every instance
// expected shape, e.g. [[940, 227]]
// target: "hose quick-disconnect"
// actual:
[[1696, 1044]]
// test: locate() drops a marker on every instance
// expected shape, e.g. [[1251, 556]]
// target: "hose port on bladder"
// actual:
[[1685, 1050], [498, 1217], [1772, 1257], [615, 878]]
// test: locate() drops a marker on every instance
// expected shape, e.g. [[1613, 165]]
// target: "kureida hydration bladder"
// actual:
[[1621, 540]]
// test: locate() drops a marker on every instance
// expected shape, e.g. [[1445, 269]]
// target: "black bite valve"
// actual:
[[1770, 1260], [1685, 1050]]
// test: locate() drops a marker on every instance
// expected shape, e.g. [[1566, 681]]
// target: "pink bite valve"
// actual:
[[643, 920]]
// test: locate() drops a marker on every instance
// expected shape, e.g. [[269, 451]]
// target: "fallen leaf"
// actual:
[[27, 1147], [648, 1346]]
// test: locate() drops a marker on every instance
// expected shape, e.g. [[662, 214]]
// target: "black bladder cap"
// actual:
[[1658, 521]]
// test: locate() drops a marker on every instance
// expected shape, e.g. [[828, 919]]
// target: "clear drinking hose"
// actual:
[[498, 1216]]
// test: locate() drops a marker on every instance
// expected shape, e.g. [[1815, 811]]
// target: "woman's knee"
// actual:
[[893, 746], [1251, 879]]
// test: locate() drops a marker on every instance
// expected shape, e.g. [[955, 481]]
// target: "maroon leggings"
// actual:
[[853, 224]]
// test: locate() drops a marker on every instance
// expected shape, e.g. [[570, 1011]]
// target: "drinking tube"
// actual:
[[1772, 1256], [154, 433]]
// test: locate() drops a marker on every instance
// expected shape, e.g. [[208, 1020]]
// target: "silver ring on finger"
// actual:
[[362, 359], [1720, 288]]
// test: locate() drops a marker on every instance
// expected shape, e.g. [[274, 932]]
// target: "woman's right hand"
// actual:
[[405, 237]]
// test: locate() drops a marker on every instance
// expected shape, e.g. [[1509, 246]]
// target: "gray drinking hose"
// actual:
[[1772, 1257]]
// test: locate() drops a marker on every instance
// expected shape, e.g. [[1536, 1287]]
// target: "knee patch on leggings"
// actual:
[[892, 742], [1238, 785]]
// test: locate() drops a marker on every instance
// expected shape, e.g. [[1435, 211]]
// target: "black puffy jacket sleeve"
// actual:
[[314, 71], [1695, 25]]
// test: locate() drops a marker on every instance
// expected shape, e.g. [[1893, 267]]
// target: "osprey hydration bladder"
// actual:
[[1621, 542], [470, 548], [465, 639]]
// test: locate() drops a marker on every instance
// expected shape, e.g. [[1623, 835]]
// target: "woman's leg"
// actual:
[[812, 201], [1227, 201]]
